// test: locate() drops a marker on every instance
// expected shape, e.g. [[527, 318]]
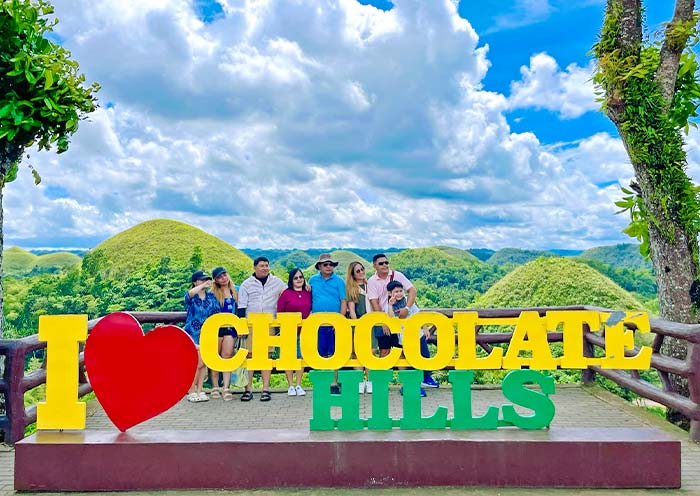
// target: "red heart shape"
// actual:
[[125, 368]]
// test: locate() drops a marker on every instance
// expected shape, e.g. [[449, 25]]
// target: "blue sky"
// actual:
[[306, 123]]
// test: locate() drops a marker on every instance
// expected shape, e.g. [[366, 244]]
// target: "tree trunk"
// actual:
[[672, 258]]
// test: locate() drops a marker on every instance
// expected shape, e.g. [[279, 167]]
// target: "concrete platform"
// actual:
[[155, 460]]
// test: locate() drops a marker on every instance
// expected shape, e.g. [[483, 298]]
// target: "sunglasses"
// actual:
[[327, 264], [385, 262], [298, 277], [359, 269]]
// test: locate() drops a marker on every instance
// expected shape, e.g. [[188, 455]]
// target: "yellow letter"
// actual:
[[61, 410], [209, 342], [573, 335], [309, 340], [413, 331], [363, 340], [262, 340], [466, 345], [530, 334], [289, 323], [618, 339]]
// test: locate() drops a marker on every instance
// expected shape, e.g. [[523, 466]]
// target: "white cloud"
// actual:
[[543, 85], [306, 123]]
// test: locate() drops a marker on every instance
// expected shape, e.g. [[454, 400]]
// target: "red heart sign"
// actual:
[[135, 376]]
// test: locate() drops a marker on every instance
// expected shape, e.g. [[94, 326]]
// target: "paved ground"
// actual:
[[576, 406]]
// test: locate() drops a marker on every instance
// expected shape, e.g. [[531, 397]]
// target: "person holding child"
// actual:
[[296, 298], [200, 304], [379, 299], [227, 296]]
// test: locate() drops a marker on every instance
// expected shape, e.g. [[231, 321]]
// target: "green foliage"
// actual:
[[296, 258], [443, 280], [20, 263], [516, 256], [641, 281], [42, 94], [651, 126], [624, 255], [556, 282], [146, 243], [458, 253]]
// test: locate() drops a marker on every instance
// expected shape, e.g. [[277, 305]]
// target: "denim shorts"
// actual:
[[326, 341]]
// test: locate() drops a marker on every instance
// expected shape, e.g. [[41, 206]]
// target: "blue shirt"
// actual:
[[326, 293], [199, 310]]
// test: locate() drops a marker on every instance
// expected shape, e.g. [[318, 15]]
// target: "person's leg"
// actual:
[[214, 374], [226, 352]]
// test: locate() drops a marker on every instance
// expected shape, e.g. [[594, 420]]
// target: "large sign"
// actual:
[[150, 373]]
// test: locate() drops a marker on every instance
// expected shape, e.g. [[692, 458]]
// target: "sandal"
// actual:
[[203, 396], [265, 396], [193, 398], [247, 396], [228, 395], [215, 394]]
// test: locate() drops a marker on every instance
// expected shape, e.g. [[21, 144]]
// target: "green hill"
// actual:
[[147, 243], [20, 263], [296, 258], [458, 253], [482, 254], [343, 257], [556, 282], [516, 256], [624, 255]]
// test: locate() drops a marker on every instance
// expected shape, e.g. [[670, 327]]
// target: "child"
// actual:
[[397, 301]]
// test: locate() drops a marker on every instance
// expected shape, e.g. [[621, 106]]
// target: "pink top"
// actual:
[[376, 287], [295, 301]]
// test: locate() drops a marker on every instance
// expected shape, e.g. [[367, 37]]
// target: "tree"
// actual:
[[650, 91], [42, 94]]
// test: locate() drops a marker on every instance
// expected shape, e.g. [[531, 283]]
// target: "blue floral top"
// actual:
[[198, 310]]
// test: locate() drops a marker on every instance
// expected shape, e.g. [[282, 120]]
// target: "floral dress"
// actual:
[[199, 310]]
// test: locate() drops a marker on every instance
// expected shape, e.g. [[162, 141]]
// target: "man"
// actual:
[[259, 294], [327, 295], [379, 298]]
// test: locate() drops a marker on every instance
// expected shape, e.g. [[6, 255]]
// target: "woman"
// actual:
[[358, 304], [296, 298], [227, 296], [200, 304]]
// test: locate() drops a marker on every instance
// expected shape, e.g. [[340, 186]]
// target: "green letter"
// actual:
[[412, 417], [380, 418], [461, 381], [348, 400], [514, 390]]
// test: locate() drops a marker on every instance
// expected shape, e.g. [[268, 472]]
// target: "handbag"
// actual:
[[241, 377]]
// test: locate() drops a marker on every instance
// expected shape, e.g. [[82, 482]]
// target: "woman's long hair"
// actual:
[[219, 291], [351, 287], [290, 279]]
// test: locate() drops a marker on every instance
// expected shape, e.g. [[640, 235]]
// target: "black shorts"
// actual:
[[387, 342], [227, 331]]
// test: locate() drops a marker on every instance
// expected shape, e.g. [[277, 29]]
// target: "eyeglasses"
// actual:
[[385, 262], [298, 277], [359, 269], [327, 264]]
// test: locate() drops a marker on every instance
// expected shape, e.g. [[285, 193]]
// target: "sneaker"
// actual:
[[362, 388], [300, 391], [368, 387], [429, 382], [335, 389], [291, 391]]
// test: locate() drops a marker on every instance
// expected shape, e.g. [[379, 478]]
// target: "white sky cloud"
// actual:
[[313, 123], [543, 85]]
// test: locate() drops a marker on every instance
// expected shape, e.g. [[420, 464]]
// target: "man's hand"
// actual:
[[387, 331], [403, 313]]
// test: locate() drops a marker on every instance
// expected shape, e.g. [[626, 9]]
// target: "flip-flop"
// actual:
[[247, 396]]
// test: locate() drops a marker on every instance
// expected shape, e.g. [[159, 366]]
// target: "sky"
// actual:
[[335, 123]]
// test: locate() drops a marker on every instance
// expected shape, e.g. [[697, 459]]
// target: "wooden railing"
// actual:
[[15, 382]]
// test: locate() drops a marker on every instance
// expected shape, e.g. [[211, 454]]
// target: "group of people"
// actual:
[[387, 291]]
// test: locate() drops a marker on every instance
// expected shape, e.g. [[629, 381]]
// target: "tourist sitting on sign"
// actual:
[[200, 305], [226, 294], [296, 298]]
